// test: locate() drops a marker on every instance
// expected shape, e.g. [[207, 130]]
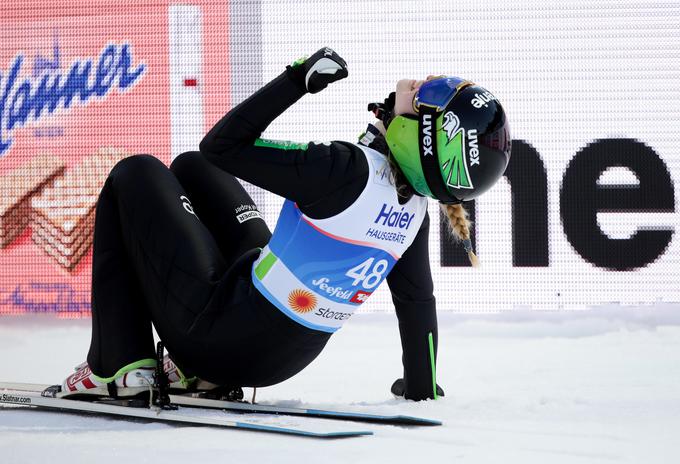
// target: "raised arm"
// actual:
[[307, 173]]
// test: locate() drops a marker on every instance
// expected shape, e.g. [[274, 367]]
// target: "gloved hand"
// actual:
[[320, 69], [399, 389], [385, 110]]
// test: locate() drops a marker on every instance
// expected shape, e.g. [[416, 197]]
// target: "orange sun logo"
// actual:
[[301, 301]]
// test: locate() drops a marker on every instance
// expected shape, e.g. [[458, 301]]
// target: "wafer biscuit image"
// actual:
[[62, 217], [18, 187]]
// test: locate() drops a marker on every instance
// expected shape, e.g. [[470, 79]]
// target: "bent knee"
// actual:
[[135, 167], [186, 160]]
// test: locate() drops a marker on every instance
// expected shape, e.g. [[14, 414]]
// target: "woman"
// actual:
[[186, 250]]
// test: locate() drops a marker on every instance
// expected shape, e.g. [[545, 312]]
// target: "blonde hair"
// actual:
[[460, 228], [459, 223]]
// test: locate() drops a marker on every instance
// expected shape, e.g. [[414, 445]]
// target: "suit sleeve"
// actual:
[[410, 283], [309, 174]]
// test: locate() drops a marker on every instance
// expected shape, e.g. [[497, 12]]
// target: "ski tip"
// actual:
[[373, 418], [302, 433], [410, 420], [357, 433]]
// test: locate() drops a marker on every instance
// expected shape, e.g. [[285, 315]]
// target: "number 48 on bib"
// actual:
[[368, 274]]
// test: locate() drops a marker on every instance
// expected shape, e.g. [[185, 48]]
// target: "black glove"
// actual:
[[319, 70], [385, 110], [399, 387]]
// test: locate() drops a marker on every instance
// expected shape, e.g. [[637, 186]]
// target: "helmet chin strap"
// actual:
[[429, 159]]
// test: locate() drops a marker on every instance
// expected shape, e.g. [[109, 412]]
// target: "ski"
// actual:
[[32, 398], [188, 400], [198, 402]]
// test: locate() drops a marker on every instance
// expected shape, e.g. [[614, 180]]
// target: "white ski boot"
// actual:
[[130, 380]]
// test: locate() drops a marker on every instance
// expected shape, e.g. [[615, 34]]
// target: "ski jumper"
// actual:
[[185, 249]]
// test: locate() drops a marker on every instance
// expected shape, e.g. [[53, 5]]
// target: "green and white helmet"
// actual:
[[459, 144]]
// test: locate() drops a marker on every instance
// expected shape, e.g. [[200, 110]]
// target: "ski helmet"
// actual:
[[459, 144]]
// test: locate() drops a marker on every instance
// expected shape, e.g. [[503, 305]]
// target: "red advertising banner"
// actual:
[[83, 85]]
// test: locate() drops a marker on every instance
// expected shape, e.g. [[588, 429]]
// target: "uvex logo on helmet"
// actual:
[[427, 135]]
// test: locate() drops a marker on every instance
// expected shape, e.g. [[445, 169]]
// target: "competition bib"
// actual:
[[319, 271]]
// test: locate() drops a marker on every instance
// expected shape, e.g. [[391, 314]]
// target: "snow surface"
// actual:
[[578, 387]]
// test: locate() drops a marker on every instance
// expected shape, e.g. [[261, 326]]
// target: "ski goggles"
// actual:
[[438, 92]]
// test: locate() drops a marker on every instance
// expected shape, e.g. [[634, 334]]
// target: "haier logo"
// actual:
[[30, 99], [391, 218]]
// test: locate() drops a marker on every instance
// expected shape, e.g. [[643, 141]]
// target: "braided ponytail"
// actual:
[[460, 228], [458, 218]]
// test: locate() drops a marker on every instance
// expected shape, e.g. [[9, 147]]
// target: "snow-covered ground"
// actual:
[[581, 387]]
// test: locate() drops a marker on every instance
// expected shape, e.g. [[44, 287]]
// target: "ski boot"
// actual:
[[181, 383], [130, 380]]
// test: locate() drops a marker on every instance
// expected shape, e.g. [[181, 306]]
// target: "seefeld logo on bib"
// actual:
[[340, 293], [337, 292]]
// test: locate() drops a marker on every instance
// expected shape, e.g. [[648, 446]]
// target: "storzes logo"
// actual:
[[391, 218], [455, 166], [30, 99]]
